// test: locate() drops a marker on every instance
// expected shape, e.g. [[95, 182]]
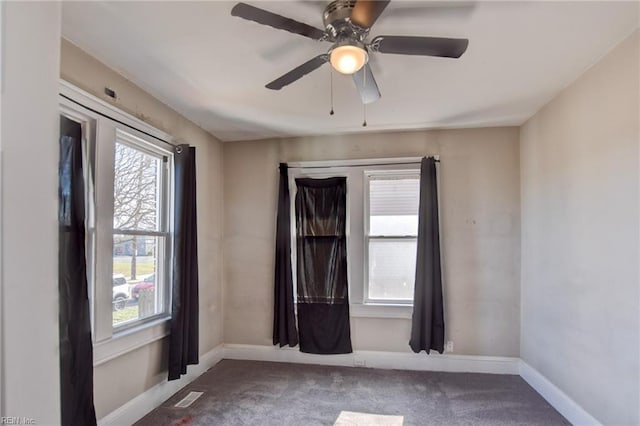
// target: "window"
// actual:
[[128, 186], [140, 230], [382, 225], [391, 236]]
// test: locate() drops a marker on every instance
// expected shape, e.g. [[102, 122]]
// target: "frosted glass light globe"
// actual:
[[348, 59]]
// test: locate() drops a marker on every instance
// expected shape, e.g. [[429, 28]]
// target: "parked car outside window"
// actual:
[[121, 292], [149, 283]]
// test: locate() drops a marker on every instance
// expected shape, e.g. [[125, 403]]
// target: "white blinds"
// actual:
[[392, 196], [393, 206]]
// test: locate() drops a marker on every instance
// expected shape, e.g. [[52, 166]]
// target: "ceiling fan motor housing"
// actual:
[[337, 21]]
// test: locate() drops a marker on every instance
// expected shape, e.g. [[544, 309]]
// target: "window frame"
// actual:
[[355, 171], [368, 177], [165, 219], [100, 120]]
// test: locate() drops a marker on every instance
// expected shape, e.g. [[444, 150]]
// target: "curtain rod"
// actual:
[[116, 120], [357, 165]]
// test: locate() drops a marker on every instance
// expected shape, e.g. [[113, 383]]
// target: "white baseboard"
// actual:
[[377, 359], [139, 406], [556, 397]]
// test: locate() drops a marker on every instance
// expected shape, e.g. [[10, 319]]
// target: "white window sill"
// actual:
[[359, 310], [130, 339]]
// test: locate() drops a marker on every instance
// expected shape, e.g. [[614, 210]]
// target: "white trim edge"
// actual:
[[89, 100], [556, 397], [144, 403], [378, 359], [362, 310], [129, 340]]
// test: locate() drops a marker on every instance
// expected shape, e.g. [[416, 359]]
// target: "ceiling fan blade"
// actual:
[[366, 12], [426, 46], [366, 85], [298, 72], [435, 9], [261, 16]]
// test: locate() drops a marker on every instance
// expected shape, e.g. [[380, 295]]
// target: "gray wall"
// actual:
[[30, 119], [480, 198], [121, 379], [579, 186]]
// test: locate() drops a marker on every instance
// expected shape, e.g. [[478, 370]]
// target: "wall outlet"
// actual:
[[359, 362], [449, 346]]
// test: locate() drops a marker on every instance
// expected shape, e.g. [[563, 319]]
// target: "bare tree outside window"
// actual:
[[136, 200], [140, 202]]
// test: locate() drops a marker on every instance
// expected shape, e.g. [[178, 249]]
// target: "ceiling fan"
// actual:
[[347, 24]]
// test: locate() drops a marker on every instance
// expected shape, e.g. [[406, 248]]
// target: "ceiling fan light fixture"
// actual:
[[348, 58]]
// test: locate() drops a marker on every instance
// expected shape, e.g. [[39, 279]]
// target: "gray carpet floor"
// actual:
[[269, 393]]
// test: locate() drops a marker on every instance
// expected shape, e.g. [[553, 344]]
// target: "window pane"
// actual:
[[392, 268], [393, 225], [393, 206], [136, 293], [136, 189]]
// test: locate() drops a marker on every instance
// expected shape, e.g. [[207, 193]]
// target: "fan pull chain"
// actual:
[[364, 113], [331, 78]]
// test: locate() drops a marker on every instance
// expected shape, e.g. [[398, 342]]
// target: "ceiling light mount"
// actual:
[[337, 22], [338, 11]]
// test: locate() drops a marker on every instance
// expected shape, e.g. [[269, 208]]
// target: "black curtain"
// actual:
[[183, 342], [284, 319], [427, 324], [76, 350], [323, 298]]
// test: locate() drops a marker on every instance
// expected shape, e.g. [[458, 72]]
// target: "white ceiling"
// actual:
[[212, 67]]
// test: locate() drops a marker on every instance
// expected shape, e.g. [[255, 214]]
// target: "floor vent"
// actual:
[[188, 400]]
